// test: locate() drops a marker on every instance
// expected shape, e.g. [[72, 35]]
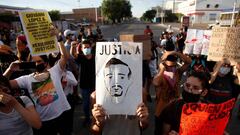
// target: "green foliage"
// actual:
[[170, 17], [54, 15], [149, 15], [116, 9]]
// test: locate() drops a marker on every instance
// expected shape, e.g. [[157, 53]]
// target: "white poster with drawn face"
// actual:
[[119, 76]]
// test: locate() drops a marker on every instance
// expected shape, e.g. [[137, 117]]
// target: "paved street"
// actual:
[[113, 31]]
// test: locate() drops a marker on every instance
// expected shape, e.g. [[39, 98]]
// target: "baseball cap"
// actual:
[[68, 32]]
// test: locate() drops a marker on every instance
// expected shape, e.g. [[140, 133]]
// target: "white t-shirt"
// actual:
[[13, 124], [70, 82], [48, 96]]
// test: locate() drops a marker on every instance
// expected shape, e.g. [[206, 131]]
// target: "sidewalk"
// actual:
[[176, 26]]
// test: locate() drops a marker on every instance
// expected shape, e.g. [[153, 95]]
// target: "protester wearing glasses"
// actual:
[[195, 87]]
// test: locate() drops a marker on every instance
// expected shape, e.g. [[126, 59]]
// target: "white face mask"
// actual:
[[224, 70], [86, 51]]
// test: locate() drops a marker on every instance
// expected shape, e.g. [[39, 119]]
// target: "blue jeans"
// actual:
[[86, 102]]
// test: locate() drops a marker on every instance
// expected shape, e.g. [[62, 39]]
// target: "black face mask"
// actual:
[[190, 97], [2, 105], [40, 68]]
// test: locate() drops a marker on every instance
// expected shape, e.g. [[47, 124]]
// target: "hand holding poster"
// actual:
[[37, 25], [205, 119], [119, 76], [224, 43]]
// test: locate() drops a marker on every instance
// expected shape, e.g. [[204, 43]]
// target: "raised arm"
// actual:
[[159, 76], [73, 51]]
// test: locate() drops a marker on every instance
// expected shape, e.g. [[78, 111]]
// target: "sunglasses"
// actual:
[[192, 88]]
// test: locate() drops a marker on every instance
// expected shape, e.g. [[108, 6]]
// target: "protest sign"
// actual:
[[205, 42], [197, 41], [36, 25], [144, 39], [119, 76], [205, 119], [197, 48], [190, 40], [225, 43]]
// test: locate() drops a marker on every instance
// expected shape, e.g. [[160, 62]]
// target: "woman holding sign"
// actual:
[[195, 87]]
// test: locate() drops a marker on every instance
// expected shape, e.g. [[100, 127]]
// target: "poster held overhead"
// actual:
[[36, 25], [119, 76], [198, 43], [206, 40], [224, 43], [190, 40]]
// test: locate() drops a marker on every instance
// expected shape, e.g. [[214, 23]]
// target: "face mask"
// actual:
[[87, 51], [73, 38], [224, 70], [40, 68], [169, 76], [190, 97]]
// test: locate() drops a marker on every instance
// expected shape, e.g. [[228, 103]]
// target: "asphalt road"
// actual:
[[112, 31]]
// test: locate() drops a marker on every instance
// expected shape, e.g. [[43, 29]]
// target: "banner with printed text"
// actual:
[[225, 43], [197, 41], [205, 119], [36, 25], [119, 76]]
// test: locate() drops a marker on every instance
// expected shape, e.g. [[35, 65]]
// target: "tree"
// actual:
[[54, 15], [149, 15], [8, 17], [116, 9], [170, 17]]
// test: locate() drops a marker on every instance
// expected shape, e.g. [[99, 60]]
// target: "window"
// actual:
[[212, 17], [208, 6], [216, 6]]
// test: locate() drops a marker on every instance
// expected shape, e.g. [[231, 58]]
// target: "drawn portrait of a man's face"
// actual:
[[117, 77]]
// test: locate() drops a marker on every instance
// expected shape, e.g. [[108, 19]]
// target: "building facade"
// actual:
[[90, 15], [204, 11]]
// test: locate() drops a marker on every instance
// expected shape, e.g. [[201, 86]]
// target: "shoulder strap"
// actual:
[[20, 101]]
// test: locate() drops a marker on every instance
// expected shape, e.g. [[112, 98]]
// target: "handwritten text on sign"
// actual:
[[225, 42], [205, 119]]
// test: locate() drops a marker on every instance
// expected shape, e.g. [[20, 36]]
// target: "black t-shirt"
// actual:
[[172, 114], [87, 73]]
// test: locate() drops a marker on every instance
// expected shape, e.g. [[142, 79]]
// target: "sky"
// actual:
[[138, 6]]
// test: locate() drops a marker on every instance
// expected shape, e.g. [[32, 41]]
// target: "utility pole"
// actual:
[[78, 3], [233, 13]]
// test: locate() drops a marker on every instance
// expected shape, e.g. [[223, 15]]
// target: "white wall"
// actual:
[[200, 6]]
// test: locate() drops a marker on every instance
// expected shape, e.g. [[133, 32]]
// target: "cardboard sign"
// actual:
[[36, 25], [119, 76], [225, 43], [205, 119], [144, 39]]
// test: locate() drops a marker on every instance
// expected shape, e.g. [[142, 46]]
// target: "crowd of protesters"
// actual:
[[37, 92]]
